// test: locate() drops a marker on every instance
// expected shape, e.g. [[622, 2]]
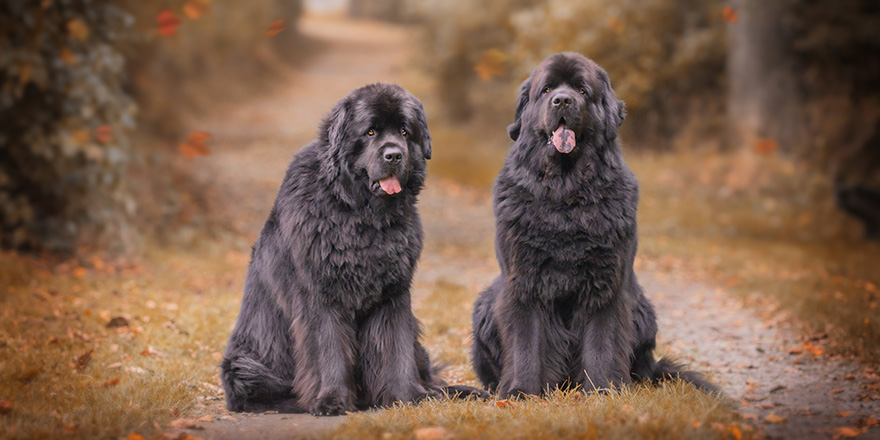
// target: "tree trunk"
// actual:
[[765, 101]]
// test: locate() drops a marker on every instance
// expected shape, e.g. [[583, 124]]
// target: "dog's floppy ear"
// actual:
[[334, 125], [424, 134], [514, 129], [614, 109]]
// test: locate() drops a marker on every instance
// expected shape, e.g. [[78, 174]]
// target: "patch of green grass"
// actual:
[[67, 374], [674, 411]]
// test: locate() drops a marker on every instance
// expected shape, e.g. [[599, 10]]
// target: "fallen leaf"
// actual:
[[844, 413], [505, 403], [194, 9], [749, 416], [103, 133], [735, 432], [150, 351], [432, 433], [167, 23], [773, 418], [195, 145], [836, 391], [730, 16], [111, 383], [615, 24], [870, 421], [765, 147], [80, 272], [491, 63], [5, 407], [83, 361], [117, 322], [847, 432], [275, 27], [78, 29], [186, 424], [135, 437]]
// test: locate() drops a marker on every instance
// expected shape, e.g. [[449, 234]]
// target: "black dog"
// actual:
[[567, 309], [326, 324]]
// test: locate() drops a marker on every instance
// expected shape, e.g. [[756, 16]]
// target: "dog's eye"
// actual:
[[370, 132], [583, 92], [403, 131], [546, 89]]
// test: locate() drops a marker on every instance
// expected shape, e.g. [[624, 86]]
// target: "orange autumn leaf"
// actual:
[[80, 272], [67, 57], [491, 63], [505, 403], [194, 9], [847, 432], [111, 383], [103, 133], [167, 23], [615, 24], [773, 418], [195, 145], [135, 437], [765, 147], [730, 16], [78, 29], [275, 27], [735, 432]]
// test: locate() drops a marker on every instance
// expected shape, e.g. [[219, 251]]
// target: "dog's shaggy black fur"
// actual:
[[567, 309], [326, 324]]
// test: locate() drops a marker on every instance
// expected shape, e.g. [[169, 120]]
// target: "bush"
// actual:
[[73, 74], [64, 122]]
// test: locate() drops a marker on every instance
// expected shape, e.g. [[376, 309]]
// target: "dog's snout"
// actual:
[[562, 100], [392, 154]]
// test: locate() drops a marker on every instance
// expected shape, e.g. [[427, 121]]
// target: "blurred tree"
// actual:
[[804, 74], [73, 74], [64, 122]]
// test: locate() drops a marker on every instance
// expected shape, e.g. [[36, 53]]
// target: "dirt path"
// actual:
[[747, 356]]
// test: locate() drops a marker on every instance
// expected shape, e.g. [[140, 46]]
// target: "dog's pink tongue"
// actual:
[[563, 139], [390, 185]]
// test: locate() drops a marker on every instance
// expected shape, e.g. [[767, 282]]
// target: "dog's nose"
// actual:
[[562, 100], [392, 155]]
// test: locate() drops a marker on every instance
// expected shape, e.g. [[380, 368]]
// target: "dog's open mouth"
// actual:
[[563, 138], [390, 185]]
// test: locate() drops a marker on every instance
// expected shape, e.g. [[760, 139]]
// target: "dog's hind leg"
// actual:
[[251, 386], [486, 349]]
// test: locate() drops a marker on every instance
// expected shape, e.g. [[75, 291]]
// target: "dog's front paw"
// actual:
[[331, 405], [517, 391]]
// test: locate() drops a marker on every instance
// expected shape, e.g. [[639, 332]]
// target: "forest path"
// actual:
[[782, 387]]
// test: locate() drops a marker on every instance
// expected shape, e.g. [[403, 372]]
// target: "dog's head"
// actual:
[[378, 135], [568, 99]]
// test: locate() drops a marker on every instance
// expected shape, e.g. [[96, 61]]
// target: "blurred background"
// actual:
[[143, 143], [773, 106]]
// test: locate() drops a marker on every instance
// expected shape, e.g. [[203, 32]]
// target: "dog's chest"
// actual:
[[363, 263]]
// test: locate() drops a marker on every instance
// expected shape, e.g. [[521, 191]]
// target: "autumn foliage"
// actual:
[[93, 89]]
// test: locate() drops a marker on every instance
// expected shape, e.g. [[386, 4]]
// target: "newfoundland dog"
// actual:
[[567, 309], [326, 324]]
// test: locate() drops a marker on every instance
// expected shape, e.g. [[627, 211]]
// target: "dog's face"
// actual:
[[379, 135], [567, 100]]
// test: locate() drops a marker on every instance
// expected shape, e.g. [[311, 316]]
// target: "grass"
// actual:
[[66, 374], [673, 411]]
